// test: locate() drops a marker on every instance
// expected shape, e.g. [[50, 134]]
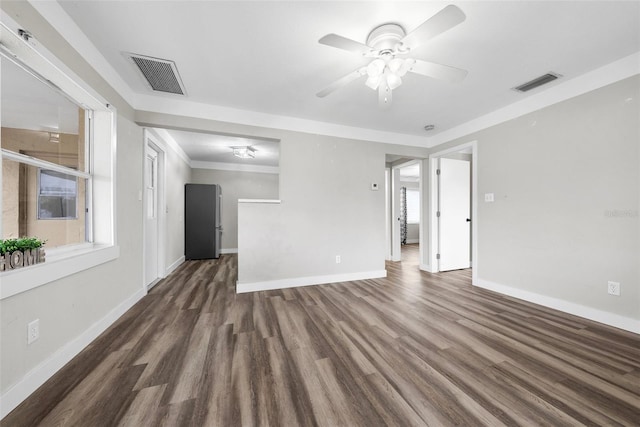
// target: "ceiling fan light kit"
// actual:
[[386, 44]]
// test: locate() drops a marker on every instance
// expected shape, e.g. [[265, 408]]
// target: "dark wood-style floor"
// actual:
[[412, 349]]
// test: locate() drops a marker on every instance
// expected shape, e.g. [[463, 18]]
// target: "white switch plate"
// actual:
[[488, 197], [374, 186], [613, 288]]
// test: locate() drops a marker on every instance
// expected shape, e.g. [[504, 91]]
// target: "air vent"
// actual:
[[537, 82], [160, 74]]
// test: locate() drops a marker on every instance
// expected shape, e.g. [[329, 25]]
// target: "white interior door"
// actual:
[[151, 215], [455, 214]]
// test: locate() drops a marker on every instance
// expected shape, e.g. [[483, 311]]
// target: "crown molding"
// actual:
[[62, 22], [235, 167], [603, 76]]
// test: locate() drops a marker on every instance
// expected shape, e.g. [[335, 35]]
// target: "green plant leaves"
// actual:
[[21, 244]]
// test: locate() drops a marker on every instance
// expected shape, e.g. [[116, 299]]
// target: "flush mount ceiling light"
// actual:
[[54, 138], [389, 45], [244, 152]]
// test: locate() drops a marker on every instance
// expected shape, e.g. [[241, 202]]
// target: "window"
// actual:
[[57, 195], [413, 206], [44, 173], [58, 145]]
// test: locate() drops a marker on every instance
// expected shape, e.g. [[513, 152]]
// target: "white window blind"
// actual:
[[413, 206]]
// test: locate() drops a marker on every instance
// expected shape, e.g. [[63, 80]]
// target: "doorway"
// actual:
[[453, 208], [153, 211], [403, 187]]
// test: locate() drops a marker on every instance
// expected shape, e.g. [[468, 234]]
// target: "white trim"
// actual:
[[181, 107], [605, 75], [69, 30], [42, 164], [151, 141], [611, 319], [410, 241], [229, 251], [165, 137], [45, 370], [235, 167], [33, 56], [54, 268], [174, 265], [267, 201], [307, 281], [426, 267]]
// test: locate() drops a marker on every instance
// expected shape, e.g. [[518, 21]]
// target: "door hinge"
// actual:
[[438, 214], [437, 171], [437, 256]]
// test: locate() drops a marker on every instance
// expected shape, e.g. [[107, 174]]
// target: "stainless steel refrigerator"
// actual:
[[202, 221]]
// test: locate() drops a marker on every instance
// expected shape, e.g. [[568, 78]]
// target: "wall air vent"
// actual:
[[537, 82], [160, 74]]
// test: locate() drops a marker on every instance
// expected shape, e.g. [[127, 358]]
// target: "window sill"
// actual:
[[59, 264]]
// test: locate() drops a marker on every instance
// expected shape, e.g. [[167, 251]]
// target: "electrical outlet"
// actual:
[[338, 259], [488, 197], [33, 331], [613, 288]]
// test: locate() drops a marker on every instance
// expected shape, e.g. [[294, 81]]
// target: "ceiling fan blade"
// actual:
[[384, 96], [442, 21], [354, 75], [344, 43], [438, 71]]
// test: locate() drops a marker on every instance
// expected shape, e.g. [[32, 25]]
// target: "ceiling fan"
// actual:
[[390, 46]]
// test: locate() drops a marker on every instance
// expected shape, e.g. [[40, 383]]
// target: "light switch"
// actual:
[[374, 186], [488, 197]]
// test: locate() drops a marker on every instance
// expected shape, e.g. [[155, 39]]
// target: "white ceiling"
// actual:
[[264, 56], [207, 147]]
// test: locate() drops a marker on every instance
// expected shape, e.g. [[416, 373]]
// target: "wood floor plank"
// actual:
[[410, 349]]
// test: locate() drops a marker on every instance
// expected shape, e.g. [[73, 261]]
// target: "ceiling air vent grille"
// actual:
[[537, 82], [161, 74]]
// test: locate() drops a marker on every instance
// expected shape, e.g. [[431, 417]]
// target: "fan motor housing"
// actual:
[[386, 36]]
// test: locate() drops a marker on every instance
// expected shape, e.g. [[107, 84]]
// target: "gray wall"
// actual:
[[327, 208], [69, 307], [237, 185], [559, 176], [178, 173]]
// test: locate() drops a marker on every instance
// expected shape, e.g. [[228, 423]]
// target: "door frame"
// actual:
[[394, 248], [156, 144], [434, 237]]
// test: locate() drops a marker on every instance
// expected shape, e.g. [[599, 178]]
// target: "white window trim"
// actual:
[[72, 259]]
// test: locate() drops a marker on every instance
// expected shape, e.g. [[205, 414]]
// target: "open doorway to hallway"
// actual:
[[404, 209]]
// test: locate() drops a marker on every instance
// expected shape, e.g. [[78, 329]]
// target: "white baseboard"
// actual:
[[307, 281], [45, 370], [173, 266], [409, 241], [611, 319], [427, 268], [229, 251]]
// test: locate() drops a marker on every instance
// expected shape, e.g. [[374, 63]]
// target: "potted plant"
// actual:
[[22, 252]]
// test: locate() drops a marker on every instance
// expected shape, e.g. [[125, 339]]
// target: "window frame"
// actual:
[[100, 164]]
